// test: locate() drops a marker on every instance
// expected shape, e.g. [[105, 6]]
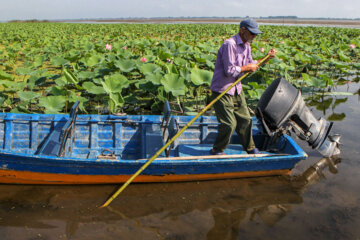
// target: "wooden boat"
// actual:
[[99, 149]]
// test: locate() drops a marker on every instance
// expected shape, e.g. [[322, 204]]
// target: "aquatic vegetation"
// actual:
[[109, 68]]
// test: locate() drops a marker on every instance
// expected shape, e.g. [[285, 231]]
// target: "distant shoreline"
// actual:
[[354, 23], [351, 23]]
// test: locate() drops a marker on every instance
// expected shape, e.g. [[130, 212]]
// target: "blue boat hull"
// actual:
[[109, 149]]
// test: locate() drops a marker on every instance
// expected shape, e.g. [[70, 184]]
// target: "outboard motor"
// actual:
[[281, 108]]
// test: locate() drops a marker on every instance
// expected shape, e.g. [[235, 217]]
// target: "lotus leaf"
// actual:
[[12, 86], [184, 48], [154, 78], [210, 64], [23, 71], [86, 75], [73, 55], [340, 65], [35, 81], [94, 60], [92, 88], [125, 54], [171, 68], [59, 61], [313, 81], [253, 94], [4, 75], [61, 82], [259, 93], [164, 55], [20, 108], [58, 91], [53, 104], [2, 100], [149, 68], [119, 45], [205, 47], [180, 61], [200, 76], [254, 84], [146, 86], [88, 46], [356, 65], [38, 61], [343, 57], [74, 98], [27, 96], [115, 83], [327, 79], [199, 59], [126, 65], [71, 78], [174, 84]]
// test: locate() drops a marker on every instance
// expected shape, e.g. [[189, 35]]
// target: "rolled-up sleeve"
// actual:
[[229, 60]]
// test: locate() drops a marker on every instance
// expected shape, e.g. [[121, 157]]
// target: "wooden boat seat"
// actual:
[[153, 141], [186, 150], [154, 138], [55, 143]]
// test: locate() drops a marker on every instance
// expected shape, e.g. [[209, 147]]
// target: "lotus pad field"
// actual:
[[133, 68]]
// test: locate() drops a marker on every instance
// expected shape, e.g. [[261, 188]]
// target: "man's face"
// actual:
[[246, 35]]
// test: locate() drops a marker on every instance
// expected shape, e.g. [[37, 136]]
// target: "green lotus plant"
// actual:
[[131, 68]]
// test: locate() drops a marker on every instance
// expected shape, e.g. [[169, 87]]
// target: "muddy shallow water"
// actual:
[[328, 207]]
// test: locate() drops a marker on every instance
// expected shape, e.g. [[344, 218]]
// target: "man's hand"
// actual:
[[249, 68], [272, 53]]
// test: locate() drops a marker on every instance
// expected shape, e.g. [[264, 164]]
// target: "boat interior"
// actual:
[[112, 137]]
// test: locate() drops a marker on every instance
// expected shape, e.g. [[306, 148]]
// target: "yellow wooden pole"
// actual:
[[176, 136]]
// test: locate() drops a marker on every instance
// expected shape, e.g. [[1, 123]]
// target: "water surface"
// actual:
[[328, 207]]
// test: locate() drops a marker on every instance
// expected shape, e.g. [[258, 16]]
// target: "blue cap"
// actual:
[[251, 25]]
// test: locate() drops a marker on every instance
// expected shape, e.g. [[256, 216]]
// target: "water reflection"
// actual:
[[200, 210], [328, 100], [327, 105]]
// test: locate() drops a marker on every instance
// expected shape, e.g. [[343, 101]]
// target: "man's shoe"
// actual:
[[213, 152], [254, 151]]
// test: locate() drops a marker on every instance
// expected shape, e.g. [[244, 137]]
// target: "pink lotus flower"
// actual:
[[124, 47], [108, 47], [169, 60], [262, 49], [143, 59], [352, 46], [282, 42]]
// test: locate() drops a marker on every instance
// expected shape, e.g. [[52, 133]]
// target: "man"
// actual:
[[233, 59]]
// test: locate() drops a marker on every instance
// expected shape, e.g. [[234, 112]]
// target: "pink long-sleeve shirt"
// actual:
[[232, 54]]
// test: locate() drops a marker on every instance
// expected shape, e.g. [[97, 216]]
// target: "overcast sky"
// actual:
[[76, 9]]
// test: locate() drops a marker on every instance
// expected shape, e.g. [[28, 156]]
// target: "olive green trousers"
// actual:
[[233, 115]]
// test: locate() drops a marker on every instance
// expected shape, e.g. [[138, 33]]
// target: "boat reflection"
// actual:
[[271, 214], [219, 207]]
